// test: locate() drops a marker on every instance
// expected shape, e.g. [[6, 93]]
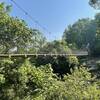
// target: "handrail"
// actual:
[[30, 55]]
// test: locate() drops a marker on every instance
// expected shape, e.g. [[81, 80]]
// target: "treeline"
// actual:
[[85, 33]]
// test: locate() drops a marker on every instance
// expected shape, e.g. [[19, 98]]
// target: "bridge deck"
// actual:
[[31, 55]]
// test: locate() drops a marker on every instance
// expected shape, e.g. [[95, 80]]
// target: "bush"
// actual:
[[25, 81], [98, 64], [60, 64]]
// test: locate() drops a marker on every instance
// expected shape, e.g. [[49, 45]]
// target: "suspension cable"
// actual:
[[27, 14]]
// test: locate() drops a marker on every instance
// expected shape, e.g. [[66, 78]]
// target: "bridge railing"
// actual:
[[32, 55]]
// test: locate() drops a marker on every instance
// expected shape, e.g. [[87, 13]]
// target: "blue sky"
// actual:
[[55, 15]]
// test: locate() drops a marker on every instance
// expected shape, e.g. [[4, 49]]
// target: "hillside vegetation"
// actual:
[[49, 77]]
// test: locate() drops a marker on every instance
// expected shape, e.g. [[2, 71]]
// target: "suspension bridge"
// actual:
[[74, 53]]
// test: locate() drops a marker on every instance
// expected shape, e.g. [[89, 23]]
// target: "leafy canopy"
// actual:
[[16, 36]]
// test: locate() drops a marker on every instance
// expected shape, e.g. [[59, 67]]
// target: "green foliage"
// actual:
[[5, 8], [76, 86], [25, 81], [16, 36], [84, 34], [55, 47], [2, 79], [98, 65], [60, 64], [73, 60], [95, 47], [79, 86], [80, 33], [50, 77], [95, 3]]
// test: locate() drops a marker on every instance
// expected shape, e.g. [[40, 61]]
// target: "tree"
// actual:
[[95, 3], [80, 33], [38, 41], [16, 36], [95, 48], [55, 47]]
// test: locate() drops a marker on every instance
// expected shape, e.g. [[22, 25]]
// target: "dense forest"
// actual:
[[49, 77]]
